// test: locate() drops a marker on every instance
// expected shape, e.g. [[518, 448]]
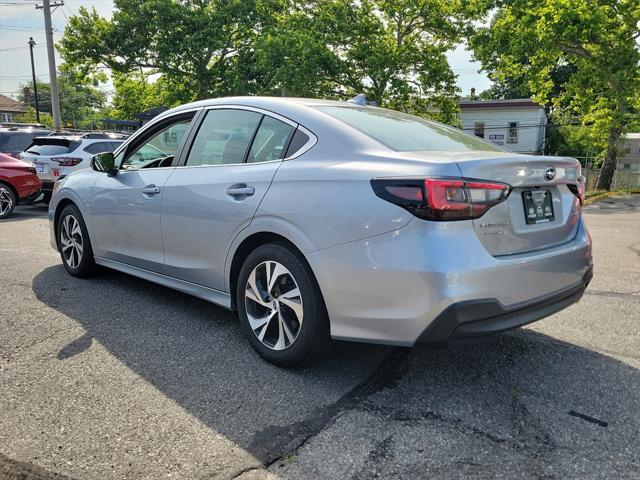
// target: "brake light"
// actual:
[[578, 190], [442, 199], [67, 161]]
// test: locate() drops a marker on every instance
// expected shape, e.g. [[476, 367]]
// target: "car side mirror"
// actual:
[[104, 162]]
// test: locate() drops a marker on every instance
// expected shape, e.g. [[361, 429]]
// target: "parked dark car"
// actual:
[[14, 140]]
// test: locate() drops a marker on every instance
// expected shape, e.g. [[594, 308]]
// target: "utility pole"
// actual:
[[53, 80], [33, 74]]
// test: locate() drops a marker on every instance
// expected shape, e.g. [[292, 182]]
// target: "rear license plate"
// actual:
[[39, 167], [538, 206]]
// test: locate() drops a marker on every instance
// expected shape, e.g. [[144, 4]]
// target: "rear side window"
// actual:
[[99, 147], [402, 132], [223, 137], [53, 148], [299, 140], [270, 141]]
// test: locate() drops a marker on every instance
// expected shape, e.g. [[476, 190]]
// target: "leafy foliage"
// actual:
[[594, 43], [80, 103], [394, 50]]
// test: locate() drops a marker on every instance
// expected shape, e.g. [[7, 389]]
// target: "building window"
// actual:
[[478, 129], [513, 132], [627, 149], [626, 166], [7, 118]]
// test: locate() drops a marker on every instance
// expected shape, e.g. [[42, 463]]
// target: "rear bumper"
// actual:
[[400, 287], [467, 322]]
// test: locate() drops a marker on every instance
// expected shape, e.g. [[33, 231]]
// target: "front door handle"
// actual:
[[241, 191], [150, 189]]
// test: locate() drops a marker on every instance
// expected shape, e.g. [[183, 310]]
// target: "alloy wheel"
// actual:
[[71, 241], [6, 201], [274, 305]]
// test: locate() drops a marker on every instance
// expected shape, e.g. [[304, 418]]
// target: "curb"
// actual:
[[591, 200]]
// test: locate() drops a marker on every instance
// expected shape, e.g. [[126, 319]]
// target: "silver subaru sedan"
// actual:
[[316, 220]]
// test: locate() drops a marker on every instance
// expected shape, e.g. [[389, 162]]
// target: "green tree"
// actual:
[[80, 103], [393, 50], [598, 39], [194, 43]]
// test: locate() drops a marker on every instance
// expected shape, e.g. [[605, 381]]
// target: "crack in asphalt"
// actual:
[[379, 452], [13, 469], [611, 293], [275, 442]]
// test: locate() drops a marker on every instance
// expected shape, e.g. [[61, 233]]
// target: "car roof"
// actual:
[[87, 137], [24, 130]]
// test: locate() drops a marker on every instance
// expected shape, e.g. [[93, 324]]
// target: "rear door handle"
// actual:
[[241, 191], [150, 189]]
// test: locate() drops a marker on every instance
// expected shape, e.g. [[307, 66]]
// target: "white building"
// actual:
[[518, 125], [630, 161]]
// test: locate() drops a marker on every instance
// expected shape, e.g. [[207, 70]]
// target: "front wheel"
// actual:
[[7, 201], [280, 306], [74, 244]]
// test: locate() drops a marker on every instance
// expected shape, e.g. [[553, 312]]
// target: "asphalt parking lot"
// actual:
[[119, 378]]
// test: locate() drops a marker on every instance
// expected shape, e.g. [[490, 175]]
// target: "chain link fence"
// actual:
[[623, 178]]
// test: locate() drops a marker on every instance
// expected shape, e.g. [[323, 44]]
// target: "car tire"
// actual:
[[7, 201], [287, 322], [74, 244]]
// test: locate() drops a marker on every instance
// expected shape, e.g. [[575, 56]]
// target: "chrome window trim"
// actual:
[[313, 139]]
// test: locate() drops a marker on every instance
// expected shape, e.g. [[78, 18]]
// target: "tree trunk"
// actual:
[[610, 158]]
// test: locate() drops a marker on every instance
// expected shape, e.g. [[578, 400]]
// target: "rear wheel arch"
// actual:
[[248, 245], [59, 208]]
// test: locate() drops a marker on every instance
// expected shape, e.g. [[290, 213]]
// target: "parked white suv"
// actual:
[[56, 156]]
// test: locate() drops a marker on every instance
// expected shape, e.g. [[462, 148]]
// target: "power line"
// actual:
[[19, 48]]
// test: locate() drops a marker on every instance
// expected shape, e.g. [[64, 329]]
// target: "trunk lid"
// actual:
[[43, 151], [528, 220]]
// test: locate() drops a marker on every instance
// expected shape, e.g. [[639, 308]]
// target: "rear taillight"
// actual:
[[67, 161], [442, 199], [578, 190]]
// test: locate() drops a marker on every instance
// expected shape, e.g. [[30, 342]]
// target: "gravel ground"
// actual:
[[120, 378]]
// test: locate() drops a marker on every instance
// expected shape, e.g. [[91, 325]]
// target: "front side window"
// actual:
[[159, 148], [513, 132], [405, 133], [224, 137]]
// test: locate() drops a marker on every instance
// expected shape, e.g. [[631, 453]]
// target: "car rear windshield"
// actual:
[[407, 133], [52, 147]]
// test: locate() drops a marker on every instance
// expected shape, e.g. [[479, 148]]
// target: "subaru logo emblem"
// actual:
[[550, 174]]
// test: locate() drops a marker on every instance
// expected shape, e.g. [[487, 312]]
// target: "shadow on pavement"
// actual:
[[517, 388], [27, 212]]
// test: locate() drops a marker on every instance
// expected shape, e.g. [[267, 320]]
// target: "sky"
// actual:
[[20, 20]]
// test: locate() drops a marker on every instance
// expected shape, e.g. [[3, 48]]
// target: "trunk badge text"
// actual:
[[494, 225]]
